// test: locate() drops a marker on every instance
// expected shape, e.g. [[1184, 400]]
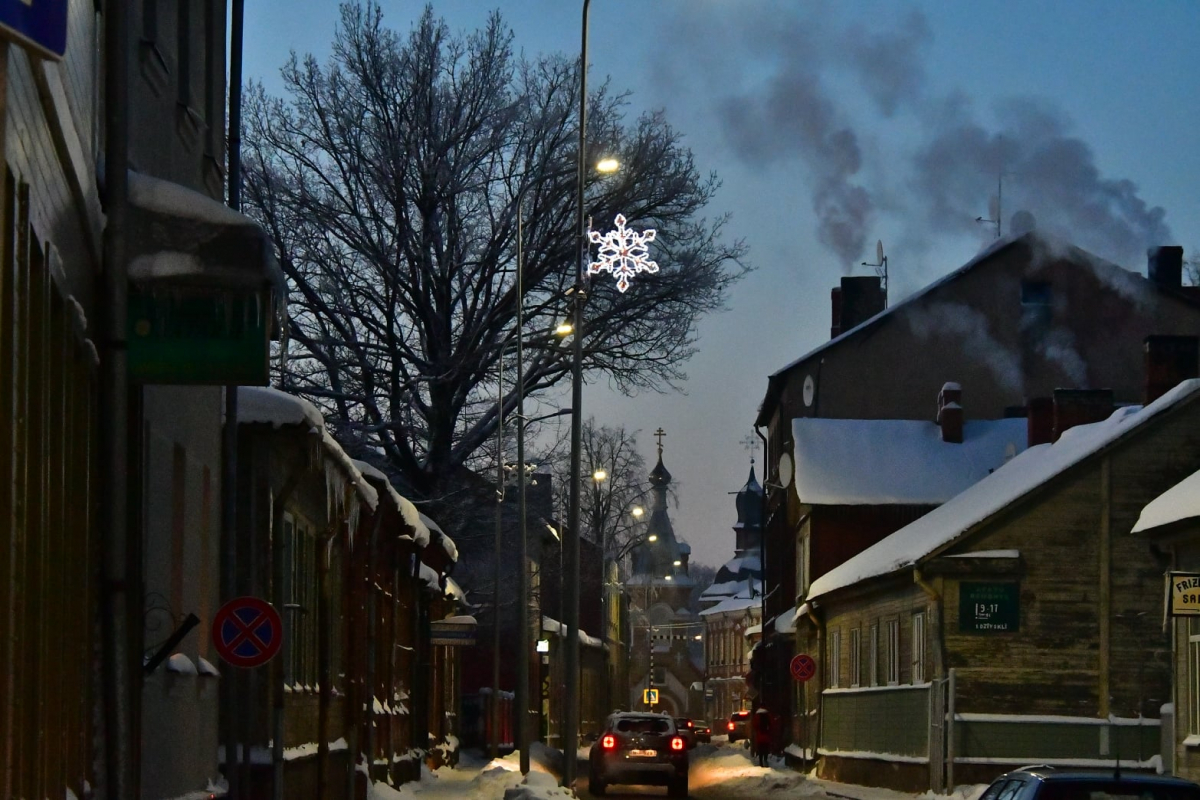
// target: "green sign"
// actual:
[[176, 337], [989, 607]]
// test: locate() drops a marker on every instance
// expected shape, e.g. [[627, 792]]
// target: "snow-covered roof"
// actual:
[[896, 461], [412, 517], [1014, 480], [786, 622], [456, 591], [733, 604], [732, 589], [264, 405], [550, 625], [752, 630], [1181, 501], [440, 535]]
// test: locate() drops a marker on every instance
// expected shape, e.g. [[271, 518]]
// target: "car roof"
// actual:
[[639, 715], [1050, 774]]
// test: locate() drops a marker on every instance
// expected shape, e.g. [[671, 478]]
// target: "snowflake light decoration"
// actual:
[[623, 253]]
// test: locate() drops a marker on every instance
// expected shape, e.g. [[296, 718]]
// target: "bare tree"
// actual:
[[389, 179], [1191, 269]]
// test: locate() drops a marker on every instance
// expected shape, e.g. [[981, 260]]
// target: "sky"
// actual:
[[834, 126]]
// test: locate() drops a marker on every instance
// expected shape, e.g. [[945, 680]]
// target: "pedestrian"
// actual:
[[761, 723]]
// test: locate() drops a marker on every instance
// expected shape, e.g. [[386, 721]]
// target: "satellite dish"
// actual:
[[785, 470], [879, 251], [810, 390]]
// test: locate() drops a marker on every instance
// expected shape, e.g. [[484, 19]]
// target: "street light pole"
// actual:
[[495, 738], [571, 715], [522, 690]]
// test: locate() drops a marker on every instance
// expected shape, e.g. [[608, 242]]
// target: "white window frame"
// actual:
[[802, 563], [855, 657], [918, 648], [892, 652], [835, 659], [873, 659]]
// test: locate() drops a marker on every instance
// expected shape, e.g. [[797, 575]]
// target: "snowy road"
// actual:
[[717, 772]]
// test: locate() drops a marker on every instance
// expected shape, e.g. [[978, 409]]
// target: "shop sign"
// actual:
[[40, 25], [1183, 594], [989, 607], [455, 633]]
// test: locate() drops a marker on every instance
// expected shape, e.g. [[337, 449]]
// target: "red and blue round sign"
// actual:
[[803, 667], [247, 632]]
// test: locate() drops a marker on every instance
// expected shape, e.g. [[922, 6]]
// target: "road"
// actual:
[[718, 772]]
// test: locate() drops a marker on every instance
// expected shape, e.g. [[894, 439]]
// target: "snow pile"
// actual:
[[537, 786], [732, 768]]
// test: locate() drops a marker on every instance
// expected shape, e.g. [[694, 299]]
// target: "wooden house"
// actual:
[[313, 531], [1028, 315], [1172, 522], [1021, 612]]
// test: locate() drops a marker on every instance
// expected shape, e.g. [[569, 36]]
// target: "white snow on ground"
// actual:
[[715, 770]]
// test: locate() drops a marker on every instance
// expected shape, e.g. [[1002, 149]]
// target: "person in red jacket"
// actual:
[[761, 724]]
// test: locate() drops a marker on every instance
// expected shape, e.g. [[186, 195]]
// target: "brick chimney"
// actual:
[[862, 298], [950, 413], [1039, 422], [1080, 407], [1169, 360], [835, 302], [1165, 266]]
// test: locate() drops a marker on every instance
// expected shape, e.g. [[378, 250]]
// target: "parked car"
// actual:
[[687, 729], [703, 731], [1047, 783], [639, 747], [738, 726]]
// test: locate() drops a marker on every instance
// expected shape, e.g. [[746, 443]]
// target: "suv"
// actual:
[[703, 732], [1048, 783], [738, 726], [638, 747]]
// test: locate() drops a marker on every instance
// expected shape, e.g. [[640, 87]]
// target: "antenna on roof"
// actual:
[[880, 268], [996, 205]]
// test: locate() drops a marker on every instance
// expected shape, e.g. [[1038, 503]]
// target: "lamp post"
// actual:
[[522, 692], [571, 662]]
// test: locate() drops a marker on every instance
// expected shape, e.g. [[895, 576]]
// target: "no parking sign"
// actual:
[[247, 632]]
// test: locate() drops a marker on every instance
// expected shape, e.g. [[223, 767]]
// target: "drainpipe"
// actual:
[[119, 570], [229, 440], [815, 729], [372, 634], [277, 570]]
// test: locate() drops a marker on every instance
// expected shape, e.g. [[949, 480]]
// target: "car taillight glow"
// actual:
[[608, 742], [676, 743], [730, 726], [691, 724]]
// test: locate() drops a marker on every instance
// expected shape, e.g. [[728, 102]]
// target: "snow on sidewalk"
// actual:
[[477, 779]]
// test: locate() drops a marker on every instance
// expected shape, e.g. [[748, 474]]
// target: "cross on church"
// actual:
[[659, 434], [750, 443]]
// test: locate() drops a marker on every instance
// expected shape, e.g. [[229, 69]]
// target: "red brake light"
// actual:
[[608, 742], [676, 743], [691, 724], [730, 724]]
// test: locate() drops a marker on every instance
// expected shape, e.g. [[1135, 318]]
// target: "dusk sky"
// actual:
[[834, 125]]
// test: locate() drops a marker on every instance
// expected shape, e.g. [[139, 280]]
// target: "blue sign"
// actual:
[[40, 25]]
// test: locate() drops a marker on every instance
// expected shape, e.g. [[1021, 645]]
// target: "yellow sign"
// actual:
[[650, 696], [1183, 594]]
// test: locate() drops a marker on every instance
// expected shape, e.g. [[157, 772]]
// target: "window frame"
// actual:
[[873, 660], [833, 679], [892, 651], [918, 648], [855, 657]]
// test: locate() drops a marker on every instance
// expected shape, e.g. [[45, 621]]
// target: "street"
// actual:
[[717, 771]]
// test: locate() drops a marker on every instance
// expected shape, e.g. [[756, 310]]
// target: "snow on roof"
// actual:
[[1018, 477], [732, 589], [1181, 501], [896, 461], [168, 197], [786, 622], [456, 591], [412, 517], [265, 405], [753, 629], [446, 542], [733, 604], [559, 629]]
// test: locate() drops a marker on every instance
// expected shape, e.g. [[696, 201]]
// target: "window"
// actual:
[[918, 648], [802, 564], [1193, 676], [855, 657], [300, 603], [659, 676], [873, 656], [835, 658], [1037, 304], [892, 651]]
